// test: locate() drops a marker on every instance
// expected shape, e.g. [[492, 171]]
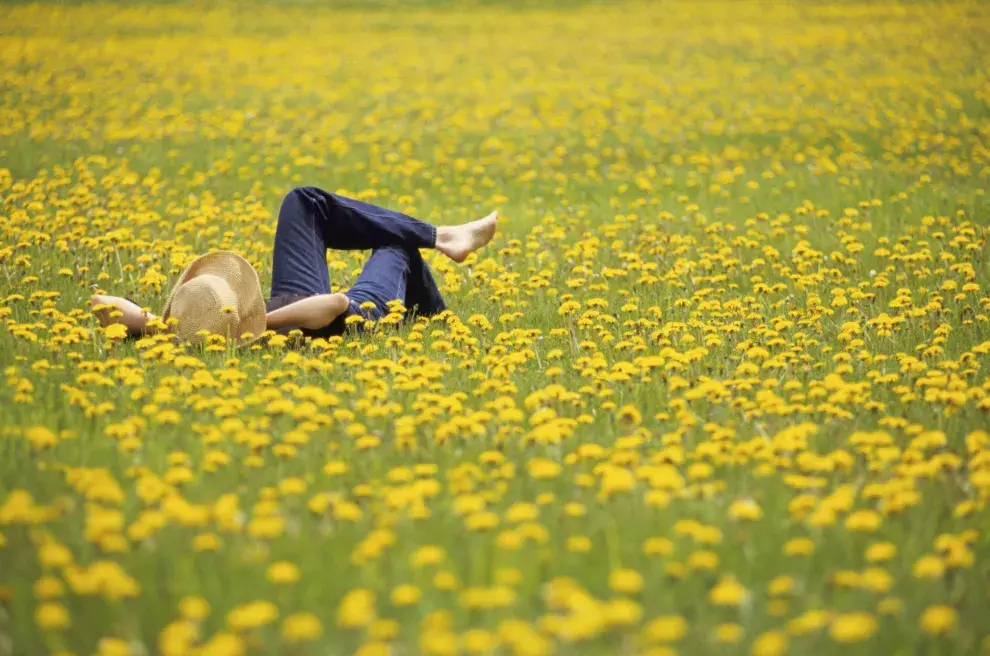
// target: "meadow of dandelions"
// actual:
[[719, 384]]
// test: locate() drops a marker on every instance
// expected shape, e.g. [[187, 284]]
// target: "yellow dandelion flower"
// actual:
[[928, 567], [666, 628], [728, 633], [938, 620], [853, 627], [252, 615], [51, 616], [283, 572], [301, 627], [405, 595], [770, 643], [194, 609], [727, 592], [356, 609], [625, 581]]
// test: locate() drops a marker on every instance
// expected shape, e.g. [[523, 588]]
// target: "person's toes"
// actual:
[[485, 230]]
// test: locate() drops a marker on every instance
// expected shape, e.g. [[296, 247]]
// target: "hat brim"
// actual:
[[243, 280]]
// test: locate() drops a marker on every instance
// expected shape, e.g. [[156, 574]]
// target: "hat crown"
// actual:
[[208, 303], [218, 293]]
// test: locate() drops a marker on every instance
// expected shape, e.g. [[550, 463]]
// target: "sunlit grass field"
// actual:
[[719, 385]]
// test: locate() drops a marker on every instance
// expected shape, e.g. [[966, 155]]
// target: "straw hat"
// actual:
[[218, 292]]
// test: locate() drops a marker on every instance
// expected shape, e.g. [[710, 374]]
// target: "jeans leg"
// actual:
[[391, 273], [348, 224], [299, 259], [422, 293], [383, 279]]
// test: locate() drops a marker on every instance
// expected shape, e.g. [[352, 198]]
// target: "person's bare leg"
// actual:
[[457, 242], [311, 313], [112, 309]]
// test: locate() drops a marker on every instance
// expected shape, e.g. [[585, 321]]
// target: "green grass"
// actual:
[[704, 180]]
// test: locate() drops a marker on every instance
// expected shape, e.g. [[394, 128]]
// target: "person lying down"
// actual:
[[220, 292]]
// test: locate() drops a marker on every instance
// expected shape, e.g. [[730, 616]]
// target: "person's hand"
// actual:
[[113, 309]]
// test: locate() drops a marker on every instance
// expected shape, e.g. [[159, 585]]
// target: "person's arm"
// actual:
[[311, 313], [113, 309]]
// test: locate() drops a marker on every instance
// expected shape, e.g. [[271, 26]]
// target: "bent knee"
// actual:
[[296, 206], [295, 195], [300, 196]]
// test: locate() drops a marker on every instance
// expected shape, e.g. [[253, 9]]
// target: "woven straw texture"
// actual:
[[220, 293]]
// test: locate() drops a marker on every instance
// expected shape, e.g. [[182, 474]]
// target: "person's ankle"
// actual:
[[445, 235]]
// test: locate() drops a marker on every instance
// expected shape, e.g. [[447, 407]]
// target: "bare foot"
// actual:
[[457, 242]]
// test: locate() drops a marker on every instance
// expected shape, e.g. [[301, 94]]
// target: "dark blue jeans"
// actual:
[[312, 220]]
